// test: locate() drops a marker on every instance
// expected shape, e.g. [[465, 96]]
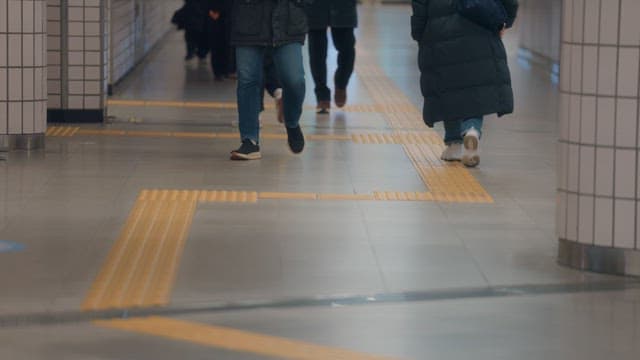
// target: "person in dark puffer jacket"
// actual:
[[464, 73], [257, 25], [342, 17]]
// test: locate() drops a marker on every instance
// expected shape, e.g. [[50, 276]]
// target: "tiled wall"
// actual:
[[77, 54], [136, 27], [599, 164], [22, 67], [539, 27]]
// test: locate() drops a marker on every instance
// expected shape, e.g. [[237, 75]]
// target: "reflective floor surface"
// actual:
[[139, 239]]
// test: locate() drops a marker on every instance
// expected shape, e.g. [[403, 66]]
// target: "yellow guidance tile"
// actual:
[[234, 340], [62, 131]]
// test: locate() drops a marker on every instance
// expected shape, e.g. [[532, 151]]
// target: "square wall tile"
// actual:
[[585, 221], [629, 63], [576, 68], [591, 19], [604, 171], [588, 126], [603, 234], [607, 71], [625, 224], [15, 118], [629, 24], [572, 217], [590, 70], [626, 123], [578, 21], [587, 169], [625, 173], [609, 22], [605, 122]]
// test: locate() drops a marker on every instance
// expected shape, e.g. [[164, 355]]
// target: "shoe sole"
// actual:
[[322, 111], [470, 158], [244, 157]]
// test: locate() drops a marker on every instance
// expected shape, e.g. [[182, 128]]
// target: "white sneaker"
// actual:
[[453, 152], [470, 155]]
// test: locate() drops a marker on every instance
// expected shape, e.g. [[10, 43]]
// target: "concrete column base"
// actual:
[[601, 259], [21, 142]]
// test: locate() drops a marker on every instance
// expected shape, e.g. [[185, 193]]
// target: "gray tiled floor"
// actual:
[[68, 204]]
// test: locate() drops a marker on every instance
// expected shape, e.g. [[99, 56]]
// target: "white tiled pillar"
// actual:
[[599, 165], [77, 54], [22, 74]]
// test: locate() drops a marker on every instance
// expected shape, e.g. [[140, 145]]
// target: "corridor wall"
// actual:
[[136, 27]]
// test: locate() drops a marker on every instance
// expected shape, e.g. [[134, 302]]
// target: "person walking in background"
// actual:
[[464, 73], [342, 17], [258, 25], [191, 17], [217, 38]]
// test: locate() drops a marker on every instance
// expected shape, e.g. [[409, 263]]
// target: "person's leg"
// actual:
[[345, 42], [318, 44], [219, 57], [453, 140], [452, 132], [473, 123], [472, 131], [191, 44], [249, 62], [203, 44], [288, 61]]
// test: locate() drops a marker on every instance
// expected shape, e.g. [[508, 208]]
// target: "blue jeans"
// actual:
[[288, 62], [454, 130]]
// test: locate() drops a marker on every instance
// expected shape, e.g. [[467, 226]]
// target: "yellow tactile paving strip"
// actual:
[[357, 108], [447, 182], [423, 137], [234, 340], [140, 269]]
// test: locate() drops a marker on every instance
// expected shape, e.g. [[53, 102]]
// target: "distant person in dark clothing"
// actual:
[[464, 73], [217, 36], [191, 18], [342, 17]]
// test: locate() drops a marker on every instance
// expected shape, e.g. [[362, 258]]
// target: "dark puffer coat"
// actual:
[[333, 13], [268, 22], [463, 65]]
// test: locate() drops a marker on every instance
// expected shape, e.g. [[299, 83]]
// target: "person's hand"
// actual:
[[215, 15]]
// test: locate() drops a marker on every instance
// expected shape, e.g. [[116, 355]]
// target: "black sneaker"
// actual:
[[296, 139], [247, 151]]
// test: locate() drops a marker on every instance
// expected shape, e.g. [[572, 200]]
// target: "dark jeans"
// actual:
[[250, 63], [345, 42]]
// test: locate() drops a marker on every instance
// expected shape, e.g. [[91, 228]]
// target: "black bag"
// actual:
[[489, 14]]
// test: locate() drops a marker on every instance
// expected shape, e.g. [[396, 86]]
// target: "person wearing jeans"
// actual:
[[279, 26], [342, 17], [464, 73]]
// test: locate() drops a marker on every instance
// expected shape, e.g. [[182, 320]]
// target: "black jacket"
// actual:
[[333, 13], [268, 22], [463, 65]]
